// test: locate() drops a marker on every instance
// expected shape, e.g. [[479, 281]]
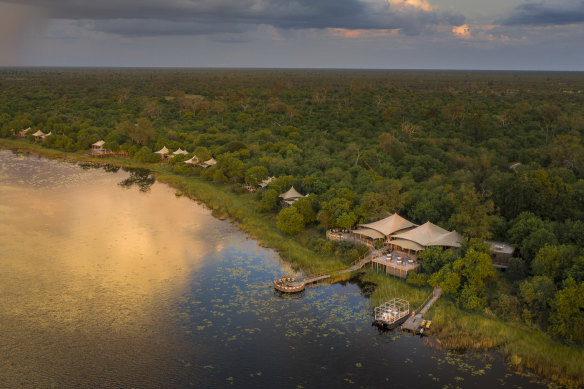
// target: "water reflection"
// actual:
[[87, 272], [142, 178], [104, 287]]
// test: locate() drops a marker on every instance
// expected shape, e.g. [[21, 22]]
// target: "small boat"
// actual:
[[289, 285], [391, 314]]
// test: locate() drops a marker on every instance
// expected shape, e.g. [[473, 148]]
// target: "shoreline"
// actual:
[[459, 330]]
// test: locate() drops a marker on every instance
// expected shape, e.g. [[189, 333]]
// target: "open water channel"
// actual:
[[109, 285]]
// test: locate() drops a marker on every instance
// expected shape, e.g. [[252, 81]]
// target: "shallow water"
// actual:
[[104, 285]]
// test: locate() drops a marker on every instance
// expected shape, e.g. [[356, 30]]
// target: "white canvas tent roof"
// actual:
[[291, 194], [162, 151], [429, 234], [39, 133], [193, 160], [373, 234], [389, 225], [452, 239], [209, 162], [99, 143], [180, 151], [407, 244]]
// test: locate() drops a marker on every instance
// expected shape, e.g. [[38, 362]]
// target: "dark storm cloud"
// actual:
[[543, 14], [185, 17]]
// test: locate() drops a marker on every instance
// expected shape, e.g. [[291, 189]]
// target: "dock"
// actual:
[[293, 285], [415, 320]]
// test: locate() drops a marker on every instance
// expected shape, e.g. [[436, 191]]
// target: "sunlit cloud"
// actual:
[[462, 31], [346, 33]]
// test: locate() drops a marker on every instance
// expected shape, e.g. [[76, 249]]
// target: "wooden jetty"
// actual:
[[291, 285], [414, 322]]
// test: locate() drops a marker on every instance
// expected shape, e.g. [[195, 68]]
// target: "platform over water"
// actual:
[[415, 320]]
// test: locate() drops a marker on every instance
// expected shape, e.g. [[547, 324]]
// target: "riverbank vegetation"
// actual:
[[494, 155]]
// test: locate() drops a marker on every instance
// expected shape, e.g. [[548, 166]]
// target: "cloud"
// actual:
[[462, 31], [546, 14], [193, 17]]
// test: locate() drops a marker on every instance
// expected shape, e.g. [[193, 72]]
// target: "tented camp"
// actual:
[[193, 161], [266, 182], [180, 151], [22, 133], [97, 147], [426, 235], [39, 135], [290, 197], [163, 153], [208, 163], [383, 228]]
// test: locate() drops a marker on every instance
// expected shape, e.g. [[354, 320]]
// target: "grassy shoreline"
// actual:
[[456, 329]]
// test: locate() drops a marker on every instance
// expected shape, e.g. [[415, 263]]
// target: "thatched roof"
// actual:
[[429, 234], [99, 143], [291, 194], [180, 151], [162, 151], [389, 225]]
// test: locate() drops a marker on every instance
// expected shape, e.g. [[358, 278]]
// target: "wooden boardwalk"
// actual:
[[358, 264], [414, 321]]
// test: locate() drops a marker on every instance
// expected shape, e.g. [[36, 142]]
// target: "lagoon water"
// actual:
[[108, 285]]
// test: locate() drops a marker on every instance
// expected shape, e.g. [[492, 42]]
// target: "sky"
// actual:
[[377, 34]]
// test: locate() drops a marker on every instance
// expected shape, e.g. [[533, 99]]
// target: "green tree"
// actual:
[[537, 294], [269, 201], [255, 175], [472, 216], [567, 319], [305, 208], [290, 221]]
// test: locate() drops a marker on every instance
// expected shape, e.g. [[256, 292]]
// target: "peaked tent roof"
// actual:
[[389, 225], [163, 151], [39, 133], [180, 151], [424, 234], [193, 160], [373, 234], [452, 239], [209, 162], [99, 143], [291, 194]]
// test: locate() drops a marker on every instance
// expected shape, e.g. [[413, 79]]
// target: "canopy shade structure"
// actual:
[[407, 244], [194, 160], [39, 133], [209, 162], [371, 233], [98, 144], [389, 225], [162, 151], [180, 151], [429, 234], [292, 194]]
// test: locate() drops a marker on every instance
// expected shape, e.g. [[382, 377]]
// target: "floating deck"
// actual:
[[391, 313]]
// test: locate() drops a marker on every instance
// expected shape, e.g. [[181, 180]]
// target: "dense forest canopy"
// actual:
[[494, 155]]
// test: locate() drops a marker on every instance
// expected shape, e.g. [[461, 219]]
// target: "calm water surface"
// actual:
[[108, 285]]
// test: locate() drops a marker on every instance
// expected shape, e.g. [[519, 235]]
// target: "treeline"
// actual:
[[494, 155]]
